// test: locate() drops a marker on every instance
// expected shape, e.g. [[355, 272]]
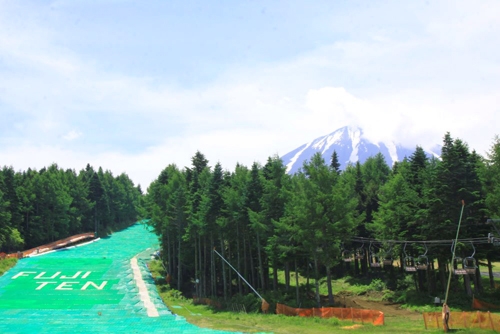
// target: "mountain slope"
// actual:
[[350, 146]]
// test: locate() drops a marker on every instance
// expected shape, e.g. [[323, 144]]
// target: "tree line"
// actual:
[[38, 207], [263, 220]]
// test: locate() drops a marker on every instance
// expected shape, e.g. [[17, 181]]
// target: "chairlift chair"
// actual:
[[456, 261], [388, 258], [469, 262], [422, 260], [347, 256], [409, 262], [456, 270], [470, 265], [360, 252], [376, 263]]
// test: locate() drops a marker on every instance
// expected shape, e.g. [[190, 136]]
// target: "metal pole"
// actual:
[[229, 264], [453, 256]]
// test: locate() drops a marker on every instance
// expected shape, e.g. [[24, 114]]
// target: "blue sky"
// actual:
[[133, 86]]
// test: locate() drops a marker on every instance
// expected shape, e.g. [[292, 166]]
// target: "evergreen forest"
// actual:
[[265, 222], [320, 223], [39, 207]]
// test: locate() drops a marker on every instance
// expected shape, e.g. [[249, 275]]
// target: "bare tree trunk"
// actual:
[[467, 285], [229, 272], [246, 263], [196, 260], [179, 266], [252, 268], [205, 267], [490, 272], [307, 273], [316, 278], [442, 272], [478, 285], [240, 287], [329, 283], [169, 256], [431, 282], [213, 287], [224, 283], [297, 284], [364, 263], [287, 275], [200, 269], [275, 277], [261, 267], [421, 276]]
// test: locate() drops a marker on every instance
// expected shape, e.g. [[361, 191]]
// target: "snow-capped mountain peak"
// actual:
[[350, 146]]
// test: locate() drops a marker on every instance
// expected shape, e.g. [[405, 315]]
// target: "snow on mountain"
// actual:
[[350, 146]]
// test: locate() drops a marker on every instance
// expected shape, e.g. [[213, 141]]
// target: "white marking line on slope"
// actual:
[[143, 291]]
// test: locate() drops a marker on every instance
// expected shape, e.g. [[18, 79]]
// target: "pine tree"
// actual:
[[456, 180], [234, 195], [334, 163], [273, 208], [491, 177], [329, 202]]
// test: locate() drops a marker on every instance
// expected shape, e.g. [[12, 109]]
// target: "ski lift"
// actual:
[[456, 262], [347, 256], [388, 257], [376, 263], [422, 260], [360, 252], [409, 262], [493, 240], [469, 263], [457, 270]]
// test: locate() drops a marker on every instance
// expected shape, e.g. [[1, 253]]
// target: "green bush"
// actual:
[[174, 294], [377, 285], [6, 264], [250, 301]]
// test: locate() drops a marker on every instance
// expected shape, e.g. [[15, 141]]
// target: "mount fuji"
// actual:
[[350, 146]]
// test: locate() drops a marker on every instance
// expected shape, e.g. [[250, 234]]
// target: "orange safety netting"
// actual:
[[480, 305], [484, 320], [373, 316], [53, 245]]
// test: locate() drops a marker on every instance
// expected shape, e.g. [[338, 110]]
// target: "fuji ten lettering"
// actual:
[[54, 281]]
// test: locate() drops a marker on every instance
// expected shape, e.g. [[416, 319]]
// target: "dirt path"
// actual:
[[389, 309]]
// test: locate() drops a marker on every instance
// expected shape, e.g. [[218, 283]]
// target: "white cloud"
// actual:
[[72, 135], [410, 84], [410, 118]]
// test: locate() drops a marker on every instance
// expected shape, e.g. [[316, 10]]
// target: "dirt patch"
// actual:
[[389, 309]]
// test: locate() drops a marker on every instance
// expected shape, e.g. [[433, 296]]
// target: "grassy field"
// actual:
[[494, 265], [253, 323], [205, 316]]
